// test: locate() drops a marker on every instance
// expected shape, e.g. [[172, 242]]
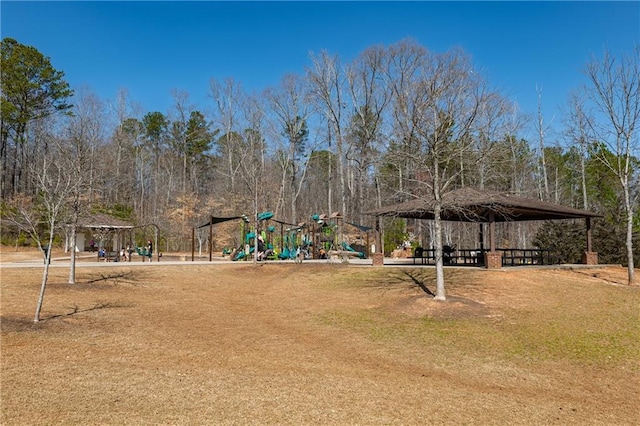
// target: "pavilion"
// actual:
[[482, 206], [104, 230]]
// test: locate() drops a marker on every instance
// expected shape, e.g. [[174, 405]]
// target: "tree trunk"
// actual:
[[440, 293], [543, 163], [341, 173], [281, 192], [585, 203], [184, 173], [72, 267], [629, 242], [294, 212], [330, 186], [45, 276]]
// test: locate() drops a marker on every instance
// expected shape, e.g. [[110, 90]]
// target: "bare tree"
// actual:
[[406, 62], [178, 131], [542, 129], [438, 109], [87, 125], [291, 108], [519, 152], [123, 163], [227, 97], [78, 151], [577, 128], [614, 90], [41, 215], [326, 78], [133, 131], [496, 120], [370, 96], [252, 161]]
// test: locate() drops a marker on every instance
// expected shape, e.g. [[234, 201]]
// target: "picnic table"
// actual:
[[470, 257]]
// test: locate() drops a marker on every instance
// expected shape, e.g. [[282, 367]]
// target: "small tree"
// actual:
[[614, 92], [436, 111], [41, 215]]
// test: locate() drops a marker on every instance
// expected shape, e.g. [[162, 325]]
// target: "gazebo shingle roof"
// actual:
[[101, 220]]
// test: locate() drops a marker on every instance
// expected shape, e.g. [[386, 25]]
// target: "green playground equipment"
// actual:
[[347, 247], [264, 216], [247, 236], [328, 234], [142, 251]]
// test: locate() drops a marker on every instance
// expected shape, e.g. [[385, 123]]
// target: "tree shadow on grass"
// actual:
[[419, 281], [119, 277], [411, 277], [14, 324], [74, 310]]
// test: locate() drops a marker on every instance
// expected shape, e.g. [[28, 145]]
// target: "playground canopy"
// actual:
[[483, 206], [215, 220], [362, 228]]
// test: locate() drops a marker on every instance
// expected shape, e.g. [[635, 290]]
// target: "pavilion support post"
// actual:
[[314, 247], [193, 244], [378, 256], [481, 256], [492, 231], [281, 238], [211, 239], [588, 221], [492, 258], [589, 257], [368, 245]]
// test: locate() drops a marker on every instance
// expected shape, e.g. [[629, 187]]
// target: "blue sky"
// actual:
[[151, 48]]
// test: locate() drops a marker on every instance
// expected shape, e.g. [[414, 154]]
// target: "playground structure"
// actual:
[[272, 239], [146, 252], [329, 238]]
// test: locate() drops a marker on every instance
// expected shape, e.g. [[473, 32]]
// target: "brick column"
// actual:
[[493, 259], [590, 258], [378, 259]]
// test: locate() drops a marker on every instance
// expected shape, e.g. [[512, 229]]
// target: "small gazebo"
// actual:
[[104, 230], [482, 206]]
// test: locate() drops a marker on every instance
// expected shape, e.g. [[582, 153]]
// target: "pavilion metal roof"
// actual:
[[473, 205]]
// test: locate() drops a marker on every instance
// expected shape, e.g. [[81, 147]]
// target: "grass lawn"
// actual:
[[319, 344]]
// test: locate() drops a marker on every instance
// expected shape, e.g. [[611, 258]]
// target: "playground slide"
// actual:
[[241, 254], [347, 247], [265, 216], [286, 254]]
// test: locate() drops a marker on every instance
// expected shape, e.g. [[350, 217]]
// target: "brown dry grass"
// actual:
[[319, 344]]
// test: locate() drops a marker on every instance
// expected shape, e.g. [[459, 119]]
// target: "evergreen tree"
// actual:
[[32, 89]]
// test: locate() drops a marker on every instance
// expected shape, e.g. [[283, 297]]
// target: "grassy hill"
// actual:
[[319, 344]]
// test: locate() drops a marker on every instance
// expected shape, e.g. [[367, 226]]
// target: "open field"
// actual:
[[319, 344]]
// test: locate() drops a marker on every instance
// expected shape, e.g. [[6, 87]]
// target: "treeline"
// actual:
[[398, 122]]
